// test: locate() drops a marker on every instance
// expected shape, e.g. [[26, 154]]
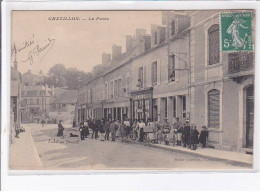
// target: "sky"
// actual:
[[41, 42]]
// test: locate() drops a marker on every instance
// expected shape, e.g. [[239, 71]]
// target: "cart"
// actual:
[[149, 135]]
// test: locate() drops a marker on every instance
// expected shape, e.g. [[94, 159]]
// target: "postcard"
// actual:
[[132, 90]]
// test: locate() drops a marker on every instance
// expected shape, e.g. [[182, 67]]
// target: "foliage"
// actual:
[[59, 76]]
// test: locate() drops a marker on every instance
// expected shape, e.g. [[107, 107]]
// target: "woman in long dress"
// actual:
[[60, 129]]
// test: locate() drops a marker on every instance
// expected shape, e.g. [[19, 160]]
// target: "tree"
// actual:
[[59, 76]]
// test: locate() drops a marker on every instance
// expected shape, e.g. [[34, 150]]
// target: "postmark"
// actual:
[[236, 31]]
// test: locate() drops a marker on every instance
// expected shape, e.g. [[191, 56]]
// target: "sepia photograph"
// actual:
[[132, 90]]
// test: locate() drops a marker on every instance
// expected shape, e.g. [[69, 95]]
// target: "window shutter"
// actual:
[[213, 42], [165, 71], [144, 79], [214, 108], [158, 72], [177, 66]]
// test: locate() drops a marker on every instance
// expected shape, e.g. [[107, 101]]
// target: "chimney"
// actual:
[[116, 52], [140, 32], [145, 43], [161, 34], [129, 43], [106, 58]]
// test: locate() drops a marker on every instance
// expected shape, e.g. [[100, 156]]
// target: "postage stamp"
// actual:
[[236, 31]]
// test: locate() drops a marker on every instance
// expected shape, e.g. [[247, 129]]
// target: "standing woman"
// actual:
[[60, 129], [102, 130], [112, 128], [122, 130], [86, 131]]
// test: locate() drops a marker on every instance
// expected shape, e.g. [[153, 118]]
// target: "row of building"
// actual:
[[32, 100], [177, 70]]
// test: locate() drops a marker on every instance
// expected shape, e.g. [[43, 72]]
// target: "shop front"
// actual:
[[142, 104], [116, 110]]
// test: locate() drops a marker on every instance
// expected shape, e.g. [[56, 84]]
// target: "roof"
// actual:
[[59, 91], [68, 97]]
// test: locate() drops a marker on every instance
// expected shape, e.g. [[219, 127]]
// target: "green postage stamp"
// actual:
[[236, 31]]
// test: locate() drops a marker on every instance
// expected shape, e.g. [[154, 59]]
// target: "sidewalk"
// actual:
[[233, 158], [23, 153]]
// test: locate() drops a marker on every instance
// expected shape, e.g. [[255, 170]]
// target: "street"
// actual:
[[72, 153]]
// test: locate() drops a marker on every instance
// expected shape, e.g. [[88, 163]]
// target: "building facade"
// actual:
[[36, 97], [179, 70], [222, 86]]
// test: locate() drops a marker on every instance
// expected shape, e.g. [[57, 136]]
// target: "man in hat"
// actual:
[[166, 131], [186, 134], [175, 127]]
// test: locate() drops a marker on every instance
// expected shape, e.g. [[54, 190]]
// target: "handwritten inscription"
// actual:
[[39, 49]]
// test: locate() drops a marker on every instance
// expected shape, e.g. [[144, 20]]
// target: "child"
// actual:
[[194, 138], [81, 130], [203, 136]]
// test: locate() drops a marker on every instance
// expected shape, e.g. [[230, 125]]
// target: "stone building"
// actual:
[[222, 86], [179, 70], [36, 97]]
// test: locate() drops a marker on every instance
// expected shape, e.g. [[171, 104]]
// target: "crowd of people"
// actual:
[[177, 133]]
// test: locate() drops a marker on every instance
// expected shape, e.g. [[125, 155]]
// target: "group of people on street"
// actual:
[[179, 134], [105, 129]]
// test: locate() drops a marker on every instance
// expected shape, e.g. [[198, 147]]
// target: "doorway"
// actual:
[[249, 116]]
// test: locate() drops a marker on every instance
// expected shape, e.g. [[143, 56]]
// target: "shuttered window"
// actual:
[[154, 73], [140, 76], [213, 108], [213, 35]]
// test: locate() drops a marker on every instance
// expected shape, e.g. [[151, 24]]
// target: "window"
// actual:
[[116, 89], [31, 101], [213, 44], [213, 108], [173, 28], [140, 77], [106, 91], [25, 101], [165, 113], [171, 72], [119, 87], [154, 73], [38, 101], [174, 106], [184, 106], [111, 92]]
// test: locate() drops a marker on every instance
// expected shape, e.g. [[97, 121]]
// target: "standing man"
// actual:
[[176, 125], [186, 134], [166, 131], [106, 127], [81, 130]]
